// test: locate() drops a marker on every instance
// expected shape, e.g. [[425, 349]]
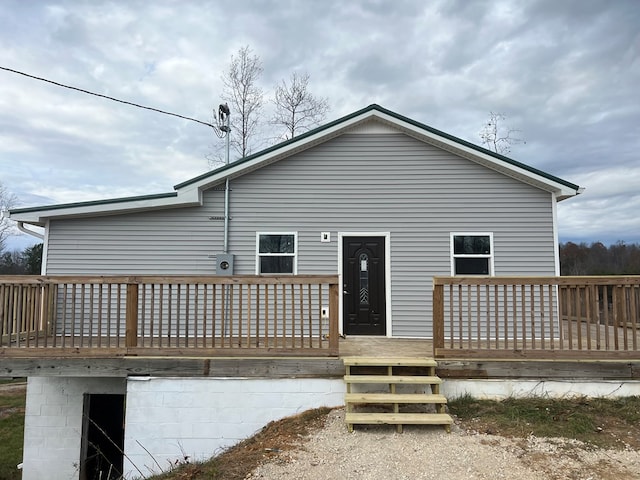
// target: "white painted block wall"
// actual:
[[171, 417], [53, 423], [500, 389]]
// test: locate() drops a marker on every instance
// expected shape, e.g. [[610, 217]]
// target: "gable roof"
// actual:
[[189, 193]]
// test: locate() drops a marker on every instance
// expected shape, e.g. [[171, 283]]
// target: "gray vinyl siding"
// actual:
[[393, 183], [176, 241], [354, 183]]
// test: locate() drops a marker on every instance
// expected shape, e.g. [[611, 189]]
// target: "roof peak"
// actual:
[[188, 192]]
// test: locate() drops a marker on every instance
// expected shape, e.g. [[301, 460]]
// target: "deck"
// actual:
[[491, 367], [537, 317], [184, 317], [169, 315], [292, 366], [385, 347]]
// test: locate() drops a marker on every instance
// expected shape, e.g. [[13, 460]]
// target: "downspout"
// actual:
[[225, 247], [556, 237], [22, 228]]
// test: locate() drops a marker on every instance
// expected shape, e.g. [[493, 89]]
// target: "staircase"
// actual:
[[394, 391]]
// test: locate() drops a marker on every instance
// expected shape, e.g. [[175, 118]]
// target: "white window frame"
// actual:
[[294, 254], [490, 256]]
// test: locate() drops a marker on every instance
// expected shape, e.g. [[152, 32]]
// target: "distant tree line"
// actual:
[[26, 262], [575, 259], [598, 259]]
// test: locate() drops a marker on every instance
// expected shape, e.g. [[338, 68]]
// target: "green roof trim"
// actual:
[[397, 116], [94, 203]]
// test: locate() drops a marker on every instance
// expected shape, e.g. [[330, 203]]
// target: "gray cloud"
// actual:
[[564, 73]]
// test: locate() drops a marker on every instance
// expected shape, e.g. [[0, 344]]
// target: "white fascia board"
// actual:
[[527, 176], [36, 217]]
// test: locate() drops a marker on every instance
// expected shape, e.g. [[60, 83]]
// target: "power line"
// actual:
[[107, 97]]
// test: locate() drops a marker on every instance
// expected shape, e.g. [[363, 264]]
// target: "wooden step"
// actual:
[[394, 379], [426, 398], [398, 419], [405, 366], [389, 361]]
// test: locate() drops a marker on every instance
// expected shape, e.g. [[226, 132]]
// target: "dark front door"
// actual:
[[363, 297]]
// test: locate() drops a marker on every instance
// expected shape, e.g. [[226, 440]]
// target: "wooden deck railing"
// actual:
[[537, 317], [169, 315]]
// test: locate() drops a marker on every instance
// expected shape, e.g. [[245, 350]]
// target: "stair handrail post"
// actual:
[[438, 316]]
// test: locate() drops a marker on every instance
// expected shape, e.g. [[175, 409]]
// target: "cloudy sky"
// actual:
[[565, 73]]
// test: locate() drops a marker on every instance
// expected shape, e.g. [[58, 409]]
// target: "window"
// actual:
[[472, 253], [364, 279], [276, 253]]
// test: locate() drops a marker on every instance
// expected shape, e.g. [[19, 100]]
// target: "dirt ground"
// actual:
[[331, 452]]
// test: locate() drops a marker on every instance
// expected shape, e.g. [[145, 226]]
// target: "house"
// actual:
[[372, 196], [378, 202]]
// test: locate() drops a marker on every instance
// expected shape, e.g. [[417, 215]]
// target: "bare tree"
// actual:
[[244, 96], [498, 137], [7, 201], [297, 109]]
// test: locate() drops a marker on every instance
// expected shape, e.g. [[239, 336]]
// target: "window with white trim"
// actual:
[[276, 253], [472, 253]]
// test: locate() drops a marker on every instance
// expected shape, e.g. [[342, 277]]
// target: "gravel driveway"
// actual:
[[376, 453]]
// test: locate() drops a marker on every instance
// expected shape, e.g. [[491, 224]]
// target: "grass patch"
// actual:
[[5, 381], [11, 432], [599, 421]]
